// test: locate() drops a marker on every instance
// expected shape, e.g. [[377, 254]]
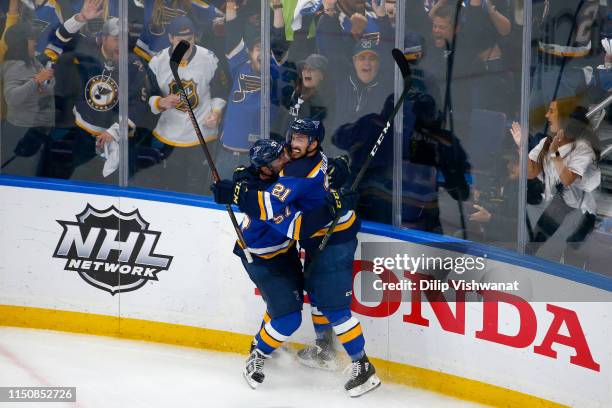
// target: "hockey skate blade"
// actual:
[[251, 381], [372, 383], [321, 365]]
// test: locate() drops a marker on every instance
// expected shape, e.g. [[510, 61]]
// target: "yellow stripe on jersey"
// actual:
[[269, 339], [273, 254], [298, 226], [319, 319], [142, 53], [314, 171], [351, 334], [262, 208], [340, 227], [156, 103], [200, 3], [267, 317], [51, 54]]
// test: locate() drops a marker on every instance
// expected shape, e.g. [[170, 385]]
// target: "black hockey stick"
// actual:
[[448, 102], [557, 86], [175, 60], [564, 61], [6, 163], [402, 63]]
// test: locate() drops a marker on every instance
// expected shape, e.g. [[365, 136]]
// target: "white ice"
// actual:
[[111, 372]]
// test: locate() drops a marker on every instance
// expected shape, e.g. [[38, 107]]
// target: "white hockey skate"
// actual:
[[363, 377], [253, 371]]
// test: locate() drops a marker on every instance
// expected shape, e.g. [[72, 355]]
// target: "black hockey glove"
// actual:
[[245, 173], [228, 192], [341, 202], [338, 171]]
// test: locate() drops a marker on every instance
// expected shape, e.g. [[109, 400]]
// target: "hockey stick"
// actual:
[[556, 88], [402, 63], [448, 102], [175, 60], [564, 60], [6, 163]]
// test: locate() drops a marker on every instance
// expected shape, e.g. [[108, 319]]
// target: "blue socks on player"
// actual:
[[275, 331], [348, 331]]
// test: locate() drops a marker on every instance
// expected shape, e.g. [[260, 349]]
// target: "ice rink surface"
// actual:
[[111, 372]]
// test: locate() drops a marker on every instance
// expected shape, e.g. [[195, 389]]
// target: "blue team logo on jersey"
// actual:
[[246, 84], [371, 39], [161, 17], [191, 90], [101, 93]]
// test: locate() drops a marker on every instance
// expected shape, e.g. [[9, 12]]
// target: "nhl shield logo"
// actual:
[[191, 90], [111, 250]]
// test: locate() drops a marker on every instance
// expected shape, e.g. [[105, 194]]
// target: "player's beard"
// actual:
[[302, 152], [297, 153]]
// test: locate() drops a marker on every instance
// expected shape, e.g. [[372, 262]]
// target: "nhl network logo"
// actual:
[[111, 250]]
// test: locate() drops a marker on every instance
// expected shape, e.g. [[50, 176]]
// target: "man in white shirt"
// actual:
[[206, 85]]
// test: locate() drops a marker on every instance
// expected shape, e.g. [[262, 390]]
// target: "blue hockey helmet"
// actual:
[[312, 128], [264, 152]]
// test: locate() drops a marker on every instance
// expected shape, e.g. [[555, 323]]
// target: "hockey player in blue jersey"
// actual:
[[303, 185], [276, 269]]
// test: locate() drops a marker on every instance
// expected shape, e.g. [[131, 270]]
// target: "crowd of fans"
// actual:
[[331, 61]]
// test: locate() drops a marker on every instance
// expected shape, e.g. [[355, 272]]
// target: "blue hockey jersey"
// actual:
[[290, 204], [267, 239], [154, 37], [241, 123], [49, 17]]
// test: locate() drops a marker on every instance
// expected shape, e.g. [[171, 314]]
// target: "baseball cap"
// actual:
[[365, 45], [316, 61], [413, 46], [181, 25], [111, 27]]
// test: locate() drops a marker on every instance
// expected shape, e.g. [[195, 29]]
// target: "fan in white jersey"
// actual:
[[205, 84]]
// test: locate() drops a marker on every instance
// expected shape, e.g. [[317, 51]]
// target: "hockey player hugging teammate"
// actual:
[[301, 189], [205, 84]]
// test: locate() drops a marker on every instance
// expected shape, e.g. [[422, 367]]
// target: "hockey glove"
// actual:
[[245, 173], [228, 192], [338, 171], [341, 202]]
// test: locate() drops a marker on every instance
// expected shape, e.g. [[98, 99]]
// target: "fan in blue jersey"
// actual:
[[60, 23], [302, 187], [276, 269], [48, 15], [241, 123], [96, 106], [157, 17]]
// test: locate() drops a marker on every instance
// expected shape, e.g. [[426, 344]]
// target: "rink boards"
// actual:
[[179, 283]]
